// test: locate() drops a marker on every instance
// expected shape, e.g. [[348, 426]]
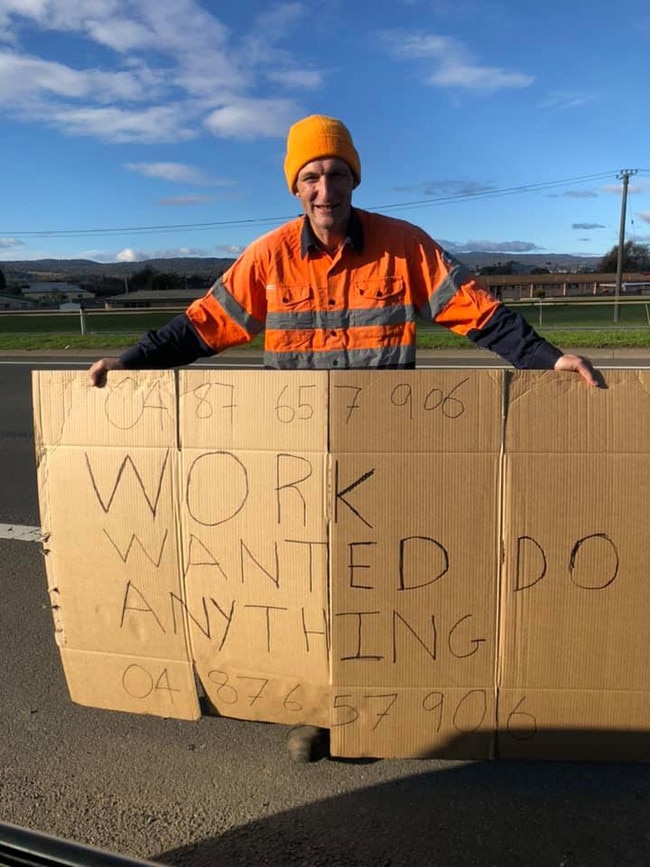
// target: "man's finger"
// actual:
[[578, 364]]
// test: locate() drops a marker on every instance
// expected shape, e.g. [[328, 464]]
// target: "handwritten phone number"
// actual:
[[466, 715]]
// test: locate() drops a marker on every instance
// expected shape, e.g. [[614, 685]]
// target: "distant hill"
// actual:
[[85, 270], [552, 261]]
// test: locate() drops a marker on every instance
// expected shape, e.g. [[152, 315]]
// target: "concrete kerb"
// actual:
[[446, 355]]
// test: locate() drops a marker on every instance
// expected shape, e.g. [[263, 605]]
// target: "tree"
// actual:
[[141, 280], [499, 268], [636, 258], [162, 282], [3, 281]]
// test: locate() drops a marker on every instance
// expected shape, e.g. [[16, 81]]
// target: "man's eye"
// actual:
[[309, 179]]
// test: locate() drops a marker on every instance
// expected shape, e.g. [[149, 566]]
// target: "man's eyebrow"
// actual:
[[339, 170]]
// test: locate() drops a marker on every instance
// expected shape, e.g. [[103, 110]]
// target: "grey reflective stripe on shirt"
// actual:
[[445, 292], [234, 309], [341, 359], [357, 318]]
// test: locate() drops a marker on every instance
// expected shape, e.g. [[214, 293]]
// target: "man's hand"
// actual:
[[578, 364], [100, 368]]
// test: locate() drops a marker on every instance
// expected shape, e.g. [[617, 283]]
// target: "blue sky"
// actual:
[[132, 129]]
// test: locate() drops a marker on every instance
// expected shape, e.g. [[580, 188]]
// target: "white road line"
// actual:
[[20, 532]]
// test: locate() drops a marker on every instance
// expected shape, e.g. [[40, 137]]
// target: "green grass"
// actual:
[[584, 325]]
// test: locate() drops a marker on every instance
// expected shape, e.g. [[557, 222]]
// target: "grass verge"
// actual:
[[605, 338]]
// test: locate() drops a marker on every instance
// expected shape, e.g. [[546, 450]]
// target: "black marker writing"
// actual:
[[214, 472], [135, 540], [107, 502], [413, 545], [290, 472], [340, 494]]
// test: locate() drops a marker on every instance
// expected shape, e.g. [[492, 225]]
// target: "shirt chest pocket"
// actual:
[[290, 297], [381, 292]]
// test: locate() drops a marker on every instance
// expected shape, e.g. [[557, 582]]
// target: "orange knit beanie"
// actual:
[[315, 137]]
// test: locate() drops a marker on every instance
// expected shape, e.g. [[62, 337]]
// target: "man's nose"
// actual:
[[325, 187]]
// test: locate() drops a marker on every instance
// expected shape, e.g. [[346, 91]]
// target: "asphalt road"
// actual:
[[220, 791]]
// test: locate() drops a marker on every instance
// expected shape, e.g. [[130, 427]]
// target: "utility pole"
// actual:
[[623, 175]]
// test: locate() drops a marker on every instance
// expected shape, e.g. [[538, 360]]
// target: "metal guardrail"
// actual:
[[538, 305]]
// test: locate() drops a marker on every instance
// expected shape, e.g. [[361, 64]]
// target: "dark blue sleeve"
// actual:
[[173, 345], [509, 335]]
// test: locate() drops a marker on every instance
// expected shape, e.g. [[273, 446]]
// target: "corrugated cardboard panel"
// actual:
[[414, 577], [574, 662], [136, 684], [255, 554], [134, 409], [370, 535], [604, 725], [107, 471], [416, 411], [553, 412], [253, 410], [112, 549], [576, 595], [255, 544]]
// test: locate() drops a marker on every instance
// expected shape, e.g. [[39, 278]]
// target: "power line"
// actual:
[[262, 221]]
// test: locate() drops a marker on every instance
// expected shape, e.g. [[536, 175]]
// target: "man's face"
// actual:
[[324, 188]]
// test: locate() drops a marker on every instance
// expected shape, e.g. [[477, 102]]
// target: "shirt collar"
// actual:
[[354, 238]]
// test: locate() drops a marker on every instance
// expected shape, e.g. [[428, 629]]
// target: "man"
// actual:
[[340, 287]]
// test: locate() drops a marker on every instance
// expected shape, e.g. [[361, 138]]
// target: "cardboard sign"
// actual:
[[430, 563]]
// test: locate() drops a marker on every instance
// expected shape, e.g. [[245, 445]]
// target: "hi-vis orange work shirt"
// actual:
[[356, 308]]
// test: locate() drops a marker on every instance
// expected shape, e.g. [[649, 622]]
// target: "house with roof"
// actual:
[[55, 293], [14, 302]]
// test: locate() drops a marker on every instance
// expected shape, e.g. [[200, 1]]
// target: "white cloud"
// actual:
[[154, 124], [563, 100], [9, 243], [261, 47], [308, 79], [168, 26], [471, 77], [451, 189], [129, 255], [173, 56], [26, 76], [634, 187], [173, 201], [490, 246], [277, 21], [178, 173], [252, 118], [455, 67], [644, 215], [580, 194]]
